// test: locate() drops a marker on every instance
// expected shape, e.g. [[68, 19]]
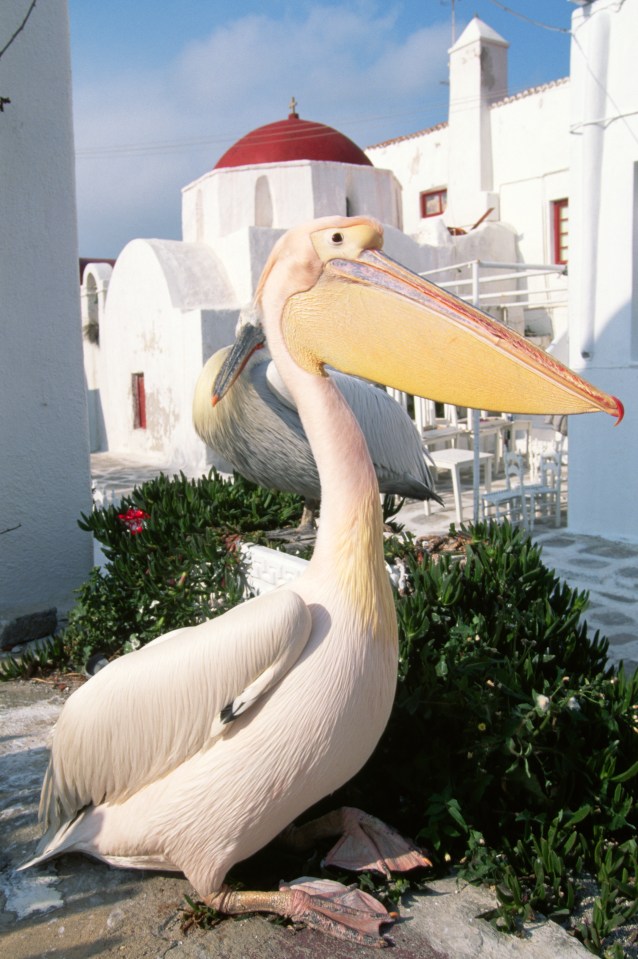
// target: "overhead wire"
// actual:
[[163, 147], [523, 16], [256, 138]]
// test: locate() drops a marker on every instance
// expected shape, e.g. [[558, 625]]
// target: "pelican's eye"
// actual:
[[337, 239]]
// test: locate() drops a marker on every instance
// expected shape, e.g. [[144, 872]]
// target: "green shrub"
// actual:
[[171, 559], [512, 749]]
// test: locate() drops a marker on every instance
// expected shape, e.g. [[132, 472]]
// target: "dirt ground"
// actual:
[[74, 908]]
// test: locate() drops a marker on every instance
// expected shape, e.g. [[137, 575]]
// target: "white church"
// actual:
[[542, 182]]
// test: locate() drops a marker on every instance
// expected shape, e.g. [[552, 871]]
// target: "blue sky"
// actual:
[[162, 89]]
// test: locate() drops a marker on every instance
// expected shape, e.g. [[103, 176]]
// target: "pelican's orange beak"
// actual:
[[368, 316]]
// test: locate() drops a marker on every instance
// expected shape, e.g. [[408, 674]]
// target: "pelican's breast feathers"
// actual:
[[148, 712]]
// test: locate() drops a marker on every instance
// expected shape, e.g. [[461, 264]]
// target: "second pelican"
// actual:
[[257, 429]]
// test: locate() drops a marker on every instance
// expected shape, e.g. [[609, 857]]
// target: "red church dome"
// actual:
[[292, 139]]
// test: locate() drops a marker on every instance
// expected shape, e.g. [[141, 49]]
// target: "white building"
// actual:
[[500, 160], [500, 182], [44, 460], [603, 313]]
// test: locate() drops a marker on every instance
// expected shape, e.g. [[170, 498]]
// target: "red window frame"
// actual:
[[560, 220], [139, 401], [440, 202]]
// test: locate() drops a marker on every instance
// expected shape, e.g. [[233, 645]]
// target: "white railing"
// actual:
[[528, 296], [528, 291]]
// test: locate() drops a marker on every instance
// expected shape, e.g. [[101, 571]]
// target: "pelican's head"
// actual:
[[339, 301]]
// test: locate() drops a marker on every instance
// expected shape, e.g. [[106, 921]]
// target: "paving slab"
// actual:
[[74, 908]]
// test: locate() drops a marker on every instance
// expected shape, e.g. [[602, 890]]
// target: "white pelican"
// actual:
[[258, 431], [196, 750]]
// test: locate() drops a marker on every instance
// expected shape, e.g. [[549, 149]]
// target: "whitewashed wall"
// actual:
[[169, 306], [603, 460], [531, 145], [280, 196], [531, 156], [44, 462], [93, 293], [419, 162]]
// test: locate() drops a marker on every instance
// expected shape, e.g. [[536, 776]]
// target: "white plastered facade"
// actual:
[[604, 264], [44, 461]]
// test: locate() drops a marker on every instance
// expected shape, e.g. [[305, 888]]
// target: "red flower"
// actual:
[[133, 519]]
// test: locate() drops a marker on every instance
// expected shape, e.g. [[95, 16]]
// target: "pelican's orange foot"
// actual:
[[365, 844], [344, 912], [341, 911]]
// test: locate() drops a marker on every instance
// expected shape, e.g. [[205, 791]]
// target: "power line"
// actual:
[[522, 16], [175, 146], [163, 147]]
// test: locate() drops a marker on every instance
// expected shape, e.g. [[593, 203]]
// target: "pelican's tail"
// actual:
[[53, 843], [48, 810], [82, 835]]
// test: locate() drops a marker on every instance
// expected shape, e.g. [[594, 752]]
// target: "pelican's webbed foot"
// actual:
[[344, 912], [365, 843]]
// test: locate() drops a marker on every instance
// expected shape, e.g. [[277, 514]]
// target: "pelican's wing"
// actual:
[[280, 454], [146, 713], [393, 439]]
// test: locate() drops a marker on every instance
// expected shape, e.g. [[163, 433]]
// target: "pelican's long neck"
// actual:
[[350, 509], [350, 529]]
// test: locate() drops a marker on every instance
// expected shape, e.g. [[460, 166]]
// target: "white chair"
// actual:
[[519, 438], [511, 502], [424, 413], [544, 496]]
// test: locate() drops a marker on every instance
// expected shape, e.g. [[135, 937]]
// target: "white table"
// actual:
[[454, 460], [435, 435]]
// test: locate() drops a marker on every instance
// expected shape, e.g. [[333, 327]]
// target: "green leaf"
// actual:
[[627, 775]]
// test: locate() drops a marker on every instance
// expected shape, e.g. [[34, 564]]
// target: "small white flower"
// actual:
[[542, 703], [573, 704]]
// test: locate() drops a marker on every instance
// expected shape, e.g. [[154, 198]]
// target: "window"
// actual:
[[560, 216], [434, 202], [92, 328], [263, 202], [139, 401]]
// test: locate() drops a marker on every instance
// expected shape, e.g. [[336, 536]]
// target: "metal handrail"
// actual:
[[503, 298], [490, 265], [472, 288]]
